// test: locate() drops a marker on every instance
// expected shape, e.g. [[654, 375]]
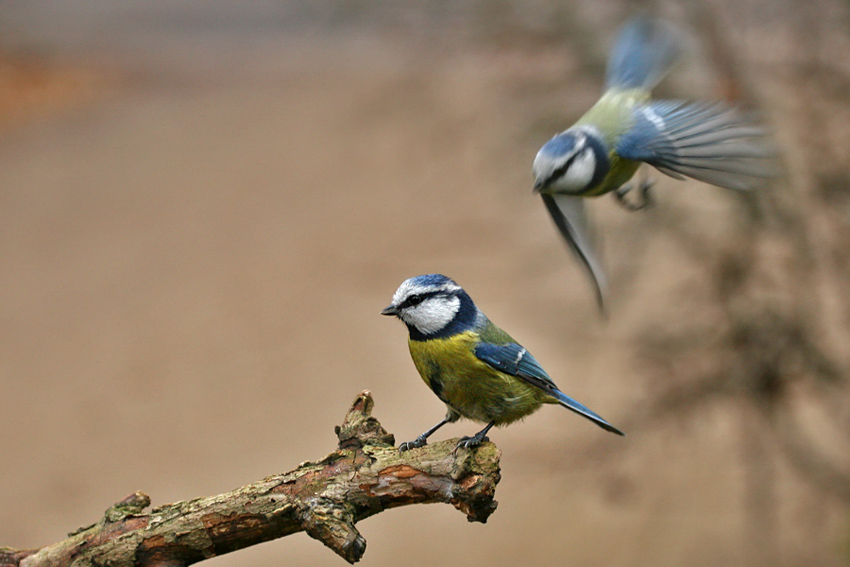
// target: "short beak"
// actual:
[[389, 310], [538, 185]]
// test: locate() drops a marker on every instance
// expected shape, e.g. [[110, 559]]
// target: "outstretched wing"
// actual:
[[714, 143], [513, 359], [570, 217], [644, 52]]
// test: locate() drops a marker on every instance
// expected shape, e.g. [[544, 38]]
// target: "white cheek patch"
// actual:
[[580, 172], [432, 315]]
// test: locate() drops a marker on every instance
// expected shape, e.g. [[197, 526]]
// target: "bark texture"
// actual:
[[326, 498]]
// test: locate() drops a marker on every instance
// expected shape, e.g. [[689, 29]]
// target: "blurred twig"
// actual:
[[364, 477]]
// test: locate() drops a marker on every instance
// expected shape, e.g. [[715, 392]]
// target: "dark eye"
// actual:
[[414, 299]]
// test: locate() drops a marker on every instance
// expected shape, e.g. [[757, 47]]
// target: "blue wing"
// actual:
[[513, 359], [570, 217], [644, 52], [713, 143]]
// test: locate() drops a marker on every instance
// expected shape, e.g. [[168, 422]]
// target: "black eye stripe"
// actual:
[[563, 169], [417, 298]]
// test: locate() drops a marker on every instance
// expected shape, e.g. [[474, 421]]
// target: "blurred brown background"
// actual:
[[204, 206]]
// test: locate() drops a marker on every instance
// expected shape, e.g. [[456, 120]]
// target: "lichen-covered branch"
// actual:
[[364, 476]]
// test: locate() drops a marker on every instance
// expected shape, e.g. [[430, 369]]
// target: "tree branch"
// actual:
[[326, 498]]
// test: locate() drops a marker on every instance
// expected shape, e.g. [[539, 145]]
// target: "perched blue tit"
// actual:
[[473, 366], [710, 142]]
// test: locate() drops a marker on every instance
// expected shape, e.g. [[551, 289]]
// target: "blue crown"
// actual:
[[559, 145], [436, 280]]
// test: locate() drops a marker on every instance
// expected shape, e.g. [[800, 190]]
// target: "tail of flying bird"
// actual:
[[645, 51]]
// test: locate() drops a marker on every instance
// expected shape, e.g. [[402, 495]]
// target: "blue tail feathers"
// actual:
[[643, 53], [582, 410]]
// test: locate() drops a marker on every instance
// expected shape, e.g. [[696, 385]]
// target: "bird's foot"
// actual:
[[645, 190], [470, 442], [415, 444]]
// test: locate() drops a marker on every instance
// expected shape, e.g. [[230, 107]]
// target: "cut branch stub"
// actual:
[[360, 428]]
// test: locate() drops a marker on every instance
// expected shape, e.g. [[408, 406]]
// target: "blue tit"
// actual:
[[473, 366], [710, 142]]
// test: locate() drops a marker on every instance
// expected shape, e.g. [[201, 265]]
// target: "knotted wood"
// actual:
[[366, 475]]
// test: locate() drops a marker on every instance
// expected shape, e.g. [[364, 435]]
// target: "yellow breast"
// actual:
[[470, 386]]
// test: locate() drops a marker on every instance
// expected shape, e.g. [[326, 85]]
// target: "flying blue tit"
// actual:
[[710, 142], [473, 366]]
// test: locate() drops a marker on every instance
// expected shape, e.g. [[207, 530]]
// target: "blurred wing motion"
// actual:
[[513, 359], [713, 143], [644, 52], [570, 217]]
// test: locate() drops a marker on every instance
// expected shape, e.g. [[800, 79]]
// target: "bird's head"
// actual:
[[431, 306], [571, 162]]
